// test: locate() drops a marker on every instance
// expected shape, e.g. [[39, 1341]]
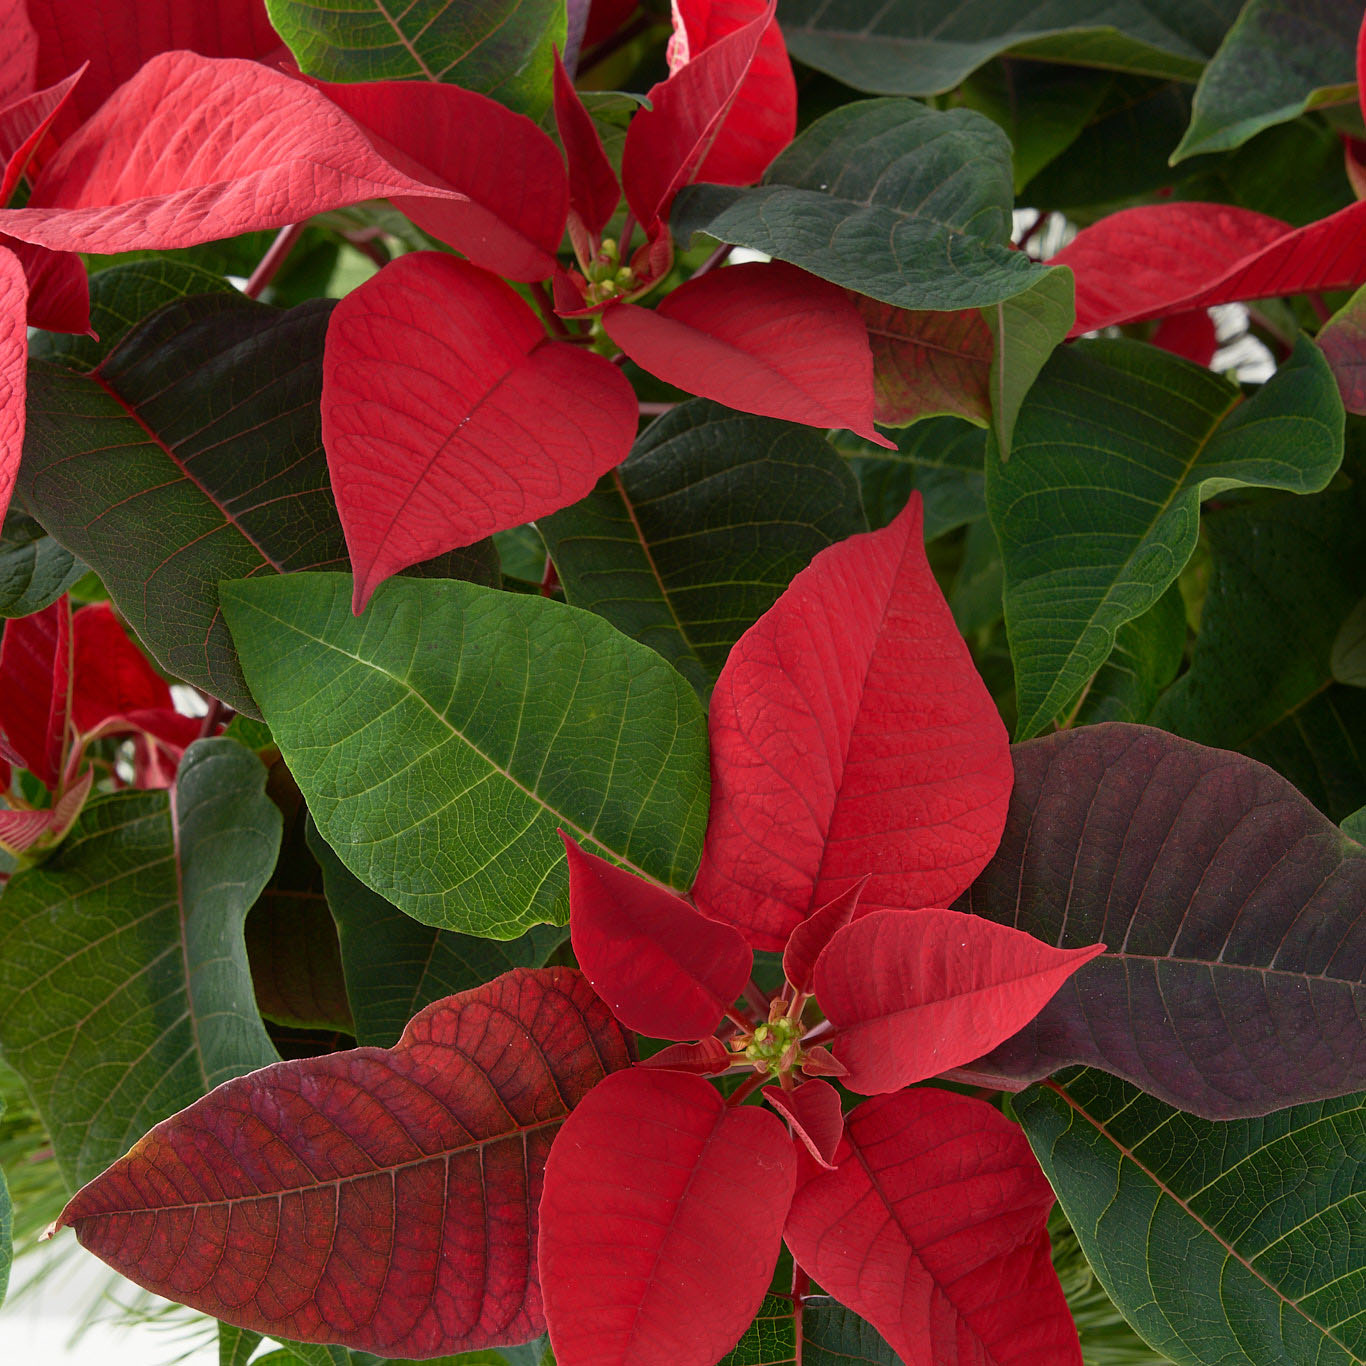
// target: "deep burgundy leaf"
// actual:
[[1342, 339], [58, 287], [663, 967], [1190, 334], [1159, 259], [1234, 912], [805, 943], [594, 192], [509, 221], [35, 701], [13, 370], [706, 1058], [667, 143], [763, 117], [933, 1229], [851, 736], [19, 55], [915, 992], [192, 149], [111, 674], [605, 17], [118, 41], [385, 1199], [448, 415], [761, 338], [660, 1223], [813, 1110], [22, 125]]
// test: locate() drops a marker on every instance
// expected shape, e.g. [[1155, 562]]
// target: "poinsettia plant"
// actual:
[[527, 528]]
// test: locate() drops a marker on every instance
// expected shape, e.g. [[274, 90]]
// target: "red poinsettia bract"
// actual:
[[922, 1210]]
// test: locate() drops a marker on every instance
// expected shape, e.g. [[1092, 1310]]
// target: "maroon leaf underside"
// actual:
[[384, 1199], [761, 338], [1342, 339], [851, 737], [914, 993], [933, 1229], [1235, 914], [663, 968], [448, 415], [262, 150], [813, 1110], [35, 694], [661, 1222]]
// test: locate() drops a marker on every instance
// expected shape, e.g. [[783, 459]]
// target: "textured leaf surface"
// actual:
[[813, 1111], [1286, 577], [1148, 652], [448, 414], [831, 1336], [855, 685], [927, 49], [594, 190], [394, 966], [652, 1167], [133, 178], [13, 355], [499, 47], [891, 199], [1219, 1242], [34, 570], [662, 966], [443, 738], [761, 338], [806, 943], [933, 1229], [1343, 341], [22, 126], [1279, 58], [688, 542], [109, 1037], [382, 1199], [1157, 434], [1233, 912], [35, 691], [915, 993]]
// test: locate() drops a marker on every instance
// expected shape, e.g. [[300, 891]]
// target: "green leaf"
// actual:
[[34, 569], [124, 989], [1355, 825], [193, 454], [1235, 1242], [831, 1336], [443, 737], [1148, 652], [1280, 58], [1286, 578], [927, 48], [1097, 508], [6, 1229], [500, 48], [685, 545], [394, 966], [903, 203], [235, 1345], [1348, 659]]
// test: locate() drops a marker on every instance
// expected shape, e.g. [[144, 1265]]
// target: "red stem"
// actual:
[[656, 409], [717, 258], [546, 306], [746, 1089], [1028, 235], [819, 1033], [269, 265]]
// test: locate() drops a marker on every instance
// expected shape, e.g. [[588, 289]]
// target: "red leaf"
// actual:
[[1159, 259], [13, 371], [119, 39], [193, 149], [821, 1062], [851, 736], [594, 192], [933, 1229], [663, 968], [761, 338], [35, 673], [19, 56], [385, 1199], [915, 992], [1189, 334], [806, 942], [763, 118], [509, 223], [667, 143], [22, 125], [448, 415], [1342, 339], [112, 675], [605, 17], [706, 1058], [1361, 67], [58, 287], [813, 1110], [660, 1223]]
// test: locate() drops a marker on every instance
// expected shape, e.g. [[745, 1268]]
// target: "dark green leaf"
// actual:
[[1286, 578], [903, 203], [1148, 652], [235, 1345], [501, 48], [927, 48], [124, 988], [1237, 1243], [394, 966], [34, 569], [1280, 58], [1097, 508], [977, 588], [443, 737], [685, 545], [831, 1336], [1348, 658]]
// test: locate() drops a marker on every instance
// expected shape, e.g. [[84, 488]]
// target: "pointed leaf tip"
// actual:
[[806, 943], [813, 1110]]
